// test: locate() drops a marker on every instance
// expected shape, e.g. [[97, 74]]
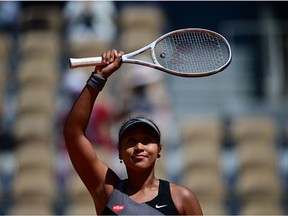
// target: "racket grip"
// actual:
[[84, 62]]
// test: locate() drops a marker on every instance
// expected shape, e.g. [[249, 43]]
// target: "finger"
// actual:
[[116, 54], [118, 61], [106, 57], [113, 55], [121, 53], [119, 58]]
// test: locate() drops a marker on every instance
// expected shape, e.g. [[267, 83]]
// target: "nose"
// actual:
[[139, 146]]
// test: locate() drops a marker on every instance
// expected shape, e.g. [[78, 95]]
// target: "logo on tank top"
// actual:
[[160, 206], [118, 208]]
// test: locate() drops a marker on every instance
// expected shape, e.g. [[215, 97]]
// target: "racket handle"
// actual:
[[84, 62]]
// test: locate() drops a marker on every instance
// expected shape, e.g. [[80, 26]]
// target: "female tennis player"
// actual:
[[142, 193]]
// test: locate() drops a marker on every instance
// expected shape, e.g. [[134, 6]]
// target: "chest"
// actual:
[[157, 201], [143, 195]]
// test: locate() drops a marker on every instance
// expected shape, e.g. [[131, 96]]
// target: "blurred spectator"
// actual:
[[73, 82], [99, 127], [8, 145], [90, 21], [9, 16], [10, 12], [144, 93]]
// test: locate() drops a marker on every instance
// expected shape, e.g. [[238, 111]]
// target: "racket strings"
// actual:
[[192, 52]]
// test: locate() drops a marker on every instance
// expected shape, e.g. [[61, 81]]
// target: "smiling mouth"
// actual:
[[138, 156]]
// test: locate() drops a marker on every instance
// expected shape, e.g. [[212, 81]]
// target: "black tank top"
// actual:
[[120, 203]]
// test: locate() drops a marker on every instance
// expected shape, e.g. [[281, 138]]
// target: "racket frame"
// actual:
[[128, 58]]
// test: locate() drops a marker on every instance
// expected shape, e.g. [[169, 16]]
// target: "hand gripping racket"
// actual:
[[191, 52]]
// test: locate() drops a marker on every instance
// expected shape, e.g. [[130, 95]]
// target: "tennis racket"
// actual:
[[191, 52]]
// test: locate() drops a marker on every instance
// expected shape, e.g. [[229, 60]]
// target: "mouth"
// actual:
[[138, 156]]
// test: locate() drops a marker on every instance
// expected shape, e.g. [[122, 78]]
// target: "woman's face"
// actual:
[[139, 148]]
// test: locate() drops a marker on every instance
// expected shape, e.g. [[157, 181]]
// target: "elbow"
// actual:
[[67, 133], [70, 133]]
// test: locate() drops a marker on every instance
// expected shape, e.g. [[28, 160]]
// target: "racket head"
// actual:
[[191, 52]]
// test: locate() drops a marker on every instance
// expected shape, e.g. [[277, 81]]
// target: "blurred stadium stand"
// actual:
[[233, 126]]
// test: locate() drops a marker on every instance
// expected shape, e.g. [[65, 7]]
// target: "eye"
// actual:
[[131, 141], [147, 140]]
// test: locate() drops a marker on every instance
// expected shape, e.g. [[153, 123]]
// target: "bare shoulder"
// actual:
[[182, 193], [185, 200]]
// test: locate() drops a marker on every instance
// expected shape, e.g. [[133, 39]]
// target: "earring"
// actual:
[[121, 161]]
